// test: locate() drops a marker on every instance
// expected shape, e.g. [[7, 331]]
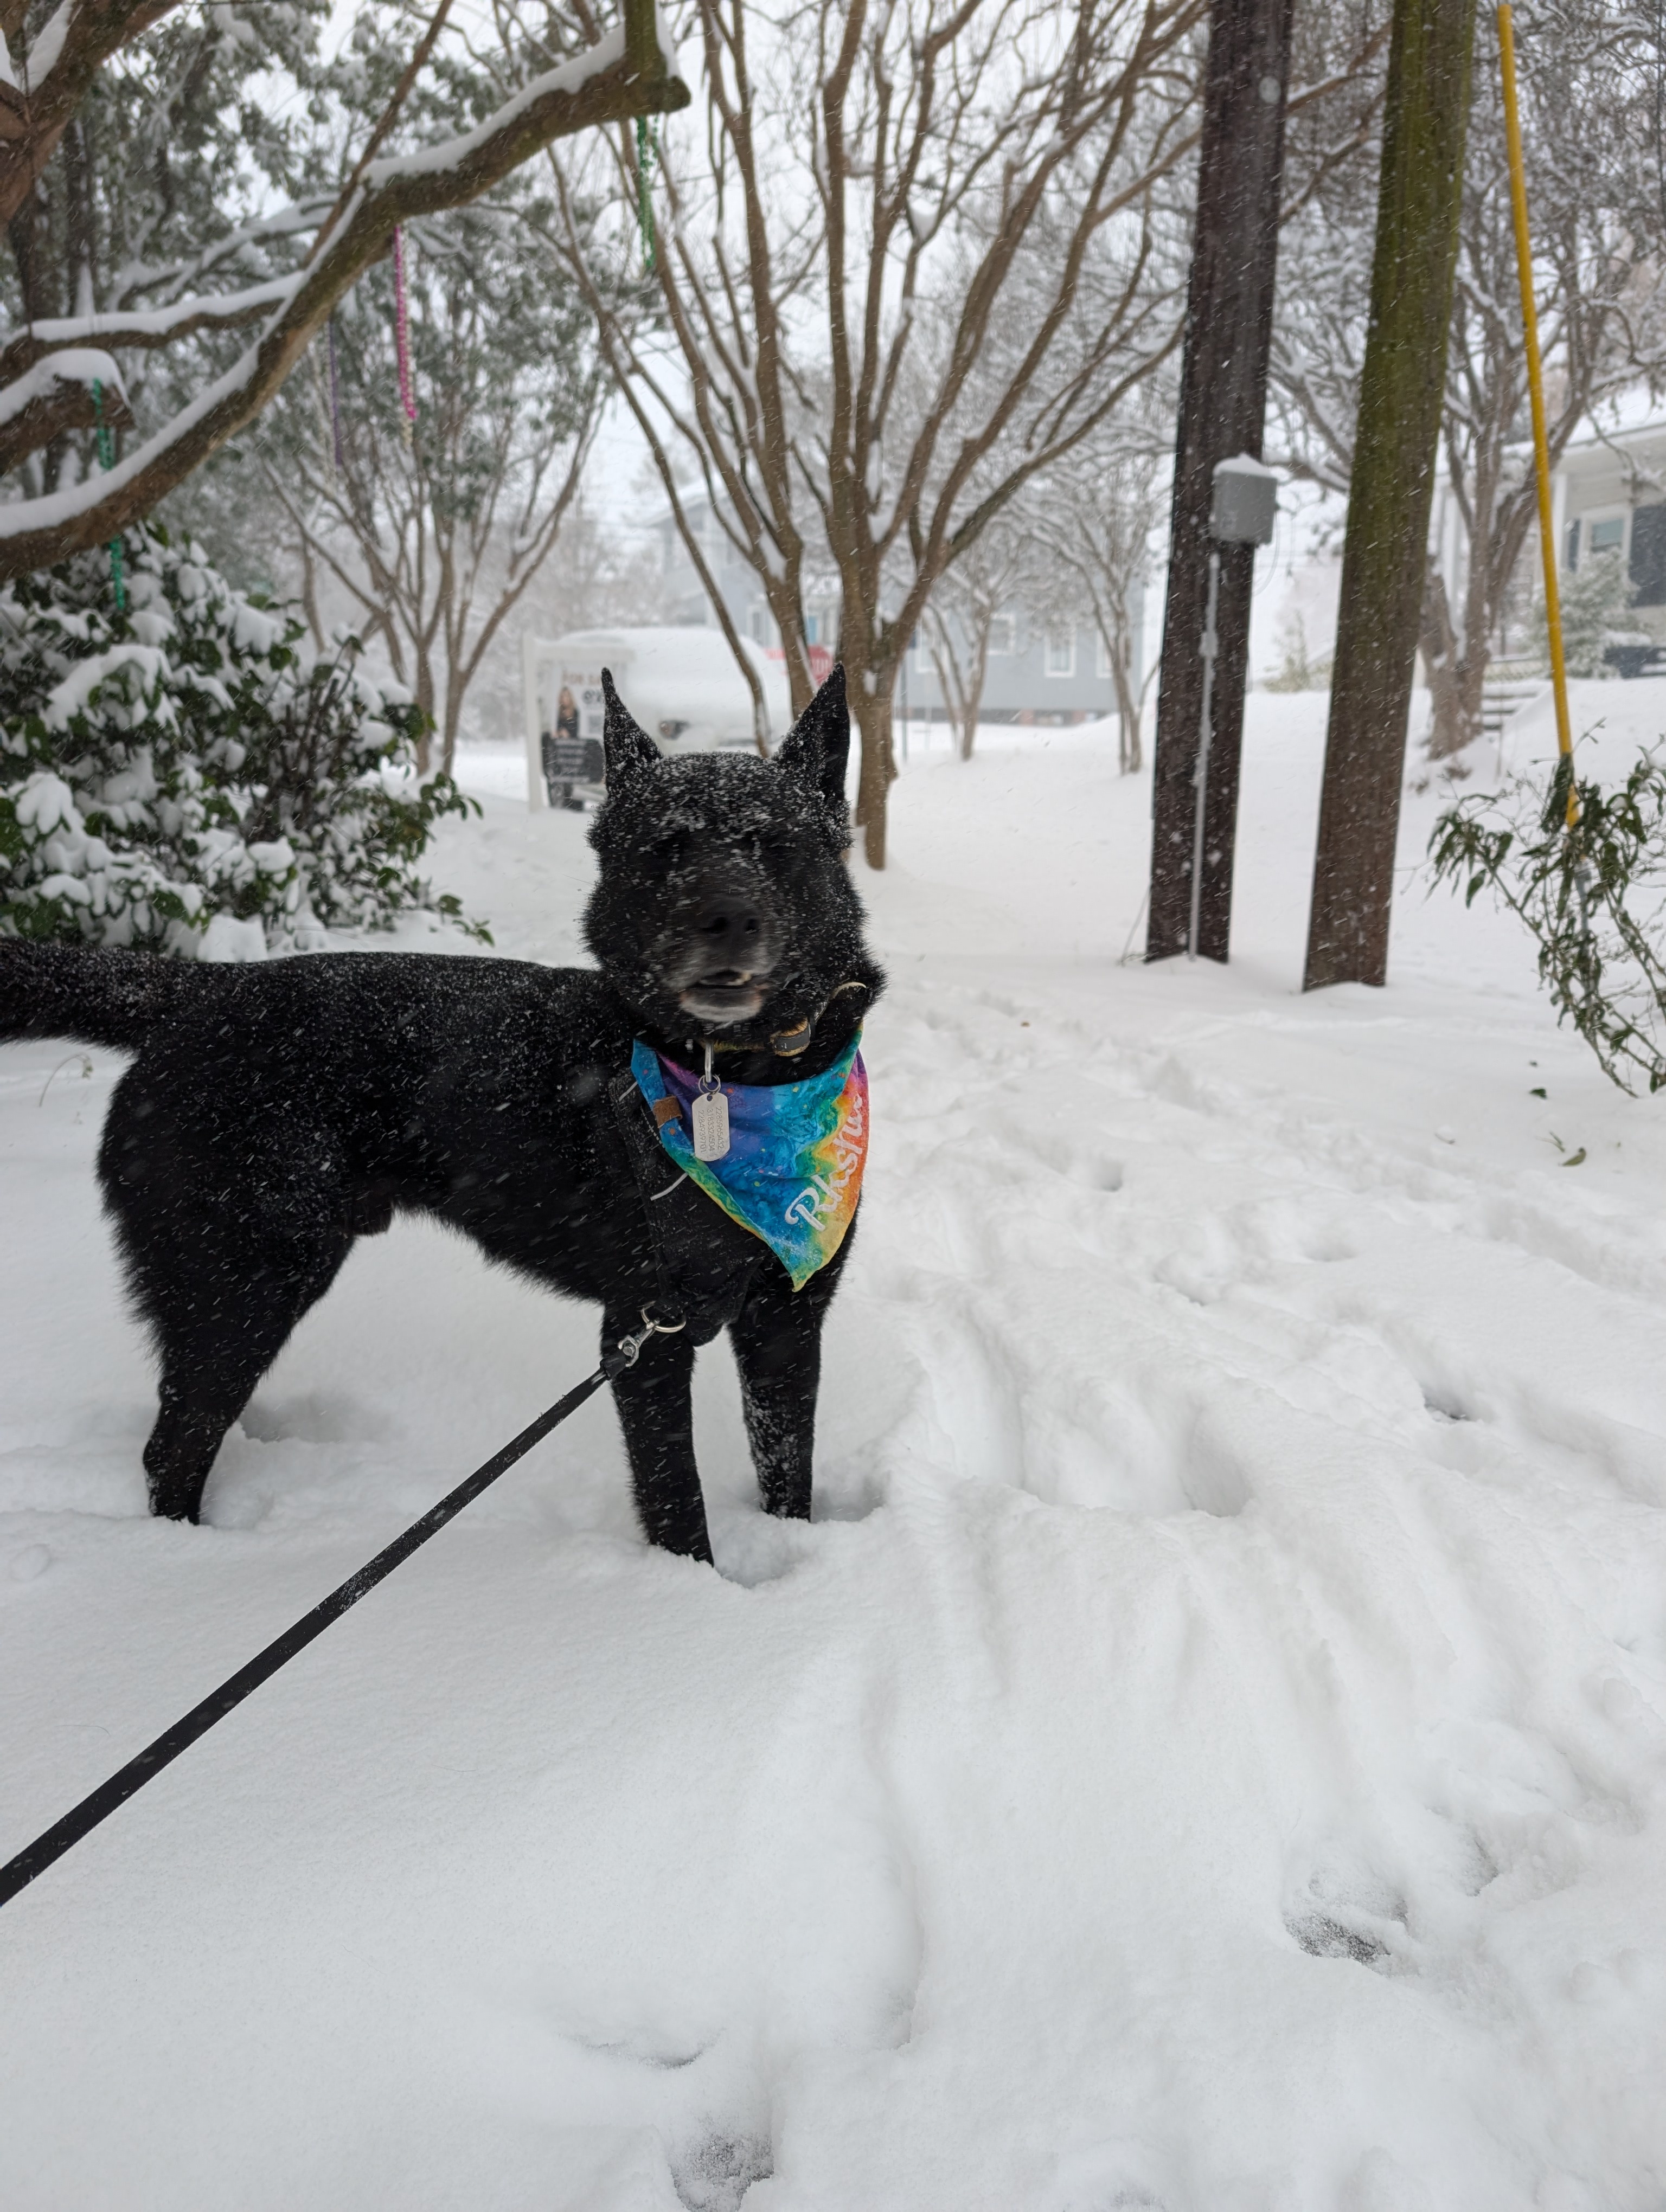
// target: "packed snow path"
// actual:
[[1205, 1754]]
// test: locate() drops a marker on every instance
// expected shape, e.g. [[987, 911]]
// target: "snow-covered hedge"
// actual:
[[189, 774]]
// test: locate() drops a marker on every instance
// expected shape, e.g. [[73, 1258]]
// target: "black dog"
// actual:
[[276, 1112]]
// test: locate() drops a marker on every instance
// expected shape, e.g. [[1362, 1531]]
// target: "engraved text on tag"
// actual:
[[711, 1126]]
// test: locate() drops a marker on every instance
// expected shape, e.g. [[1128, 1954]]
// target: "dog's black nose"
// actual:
[[732, 932]]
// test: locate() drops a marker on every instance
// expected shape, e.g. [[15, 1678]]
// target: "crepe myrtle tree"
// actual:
[[1075, 546], [989, 581], [1590, 90], [915, 254], [277, 274], [1091, 529], [432, 531]]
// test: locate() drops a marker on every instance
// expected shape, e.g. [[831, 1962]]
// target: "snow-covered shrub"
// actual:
[[1595, 600], [189, 774]]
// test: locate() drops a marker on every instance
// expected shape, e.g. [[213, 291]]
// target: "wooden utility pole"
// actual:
[[1403, 389], [1223, 400]]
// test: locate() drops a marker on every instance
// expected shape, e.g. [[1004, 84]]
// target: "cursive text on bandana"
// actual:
[[794, 1170]]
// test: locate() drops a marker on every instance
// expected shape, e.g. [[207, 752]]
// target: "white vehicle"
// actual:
[[681, 684]]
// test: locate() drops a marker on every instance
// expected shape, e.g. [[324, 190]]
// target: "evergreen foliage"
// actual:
[[159, 183], [1593, 895], [194, 760], [1594, 600]]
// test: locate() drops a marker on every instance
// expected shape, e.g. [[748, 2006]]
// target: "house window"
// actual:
[[760, 624], [812, 630], [1003, 634], [1061, 652], [1649, 556], [1608, 536]]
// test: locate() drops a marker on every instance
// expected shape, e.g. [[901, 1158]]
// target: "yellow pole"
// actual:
[[1535, 390]]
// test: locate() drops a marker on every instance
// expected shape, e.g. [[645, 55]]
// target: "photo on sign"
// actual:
[[565, 764]]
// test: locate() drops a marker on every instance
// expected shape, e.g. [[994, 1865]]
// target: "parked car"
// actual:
[[1631, 652], [682, 686]]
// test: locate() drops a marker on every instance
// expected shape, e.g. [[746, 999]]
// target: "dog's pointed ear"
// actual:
[[819, 744], [626, 746]]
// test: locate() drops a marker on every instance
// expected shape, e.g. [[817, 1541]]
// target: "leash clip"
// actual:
[[630, 1347]]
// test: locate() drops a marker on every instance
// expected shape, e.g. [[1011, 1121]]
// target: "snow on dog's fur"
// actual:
[[274, 1113]]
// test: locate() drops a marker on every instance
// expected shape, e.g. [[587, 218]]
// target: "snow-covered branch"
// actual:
[[627, 73], [146, 327], [73, 389], [55, 77]]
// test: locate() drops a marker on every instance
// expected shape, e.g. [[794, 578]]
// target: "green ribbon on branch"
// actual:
[[106, 460]]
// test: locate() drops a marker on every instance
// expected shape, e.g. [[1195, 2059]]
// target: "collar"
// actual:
[[788, 1043]]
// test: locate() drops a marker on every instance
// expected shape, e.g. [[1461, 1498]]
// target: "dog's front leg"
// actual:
[[657, 1416], [778, 1339]]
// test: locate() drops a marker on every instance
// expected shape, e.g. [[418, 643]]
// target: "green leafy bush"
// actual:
[[190, 775], [1592, 894]]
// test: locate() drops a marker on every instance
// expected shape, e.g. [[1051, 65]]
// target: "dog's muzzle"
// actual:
[[727, 960]]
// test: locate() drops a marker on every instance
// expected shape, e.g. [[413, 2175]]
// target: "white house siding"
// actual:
[[1609, 490]]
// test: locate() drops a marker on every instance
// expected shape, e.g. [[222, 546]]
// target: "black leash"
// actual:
[[35, 1858], [701, 1265]]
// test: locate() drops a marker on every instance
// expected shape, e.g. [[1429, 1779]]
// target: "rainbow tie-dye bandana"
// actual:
[[794, 1170]]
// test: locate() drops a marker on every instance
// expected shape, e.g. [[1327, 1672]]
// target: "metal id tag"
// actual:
[[711, 1126]]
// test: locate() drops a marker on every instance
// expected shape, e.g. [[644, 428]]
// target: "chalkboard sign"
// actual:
[[575, 760]]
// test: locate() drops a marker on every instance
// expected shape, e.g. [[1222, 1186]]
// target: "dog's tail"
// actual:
[[104, 998]]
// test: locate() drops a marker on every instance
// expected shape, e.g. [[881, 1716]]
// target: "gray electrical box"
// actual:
[[1246, 499]]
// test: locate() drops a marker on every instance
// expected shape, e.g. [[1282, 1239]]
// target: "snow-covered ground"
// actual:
[[1207, 1753]]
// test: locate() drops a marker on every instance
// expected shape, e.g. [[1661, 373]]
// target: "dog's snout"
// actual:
[[733, 930]]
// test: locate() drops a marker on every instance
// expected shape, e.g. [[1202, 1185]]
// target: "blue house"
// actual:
[[1043, 673]]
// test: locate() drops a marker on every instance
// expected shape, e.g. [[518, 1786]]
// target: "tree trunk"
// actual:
[[1439, 644], [453, 722], [309, 590], [971, 697], [1385, 558], [1128, 760], [871, 711], [1478, 608], [962, 685], [1223, 386], [425, 701]]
